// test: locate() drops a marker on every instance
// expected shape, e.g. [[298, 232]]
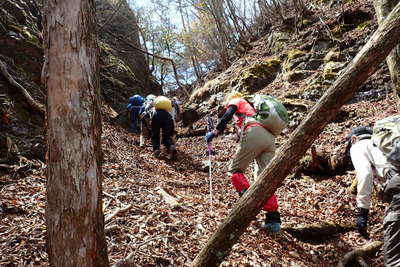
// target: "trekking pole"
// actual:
[[210, 127]]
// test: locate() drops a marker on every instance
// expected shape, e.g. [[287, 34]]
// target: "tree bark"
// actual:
[[74, 216], [363, 65], [382, 9]]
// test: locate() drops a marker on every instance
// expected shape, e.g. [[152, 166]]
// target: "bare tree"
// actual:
[[74, 216]]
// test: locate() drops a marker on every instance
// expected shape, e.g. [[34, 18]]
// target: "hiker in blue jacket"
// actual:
[[134, 106]]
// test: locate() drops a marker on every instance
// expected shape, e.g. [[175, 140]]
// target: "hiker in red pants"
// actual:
[[256, 143]]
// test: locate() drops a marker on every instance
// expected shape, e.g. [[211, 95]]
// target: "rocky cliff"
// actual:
[[123, 71]]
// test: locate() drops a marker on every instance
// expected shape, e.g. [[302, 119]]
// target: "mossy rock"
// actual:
[[297, 75], [362, 26], [277, 41], [332, 55], [322, 2], [331, 70], [258, 76], [294, 58]]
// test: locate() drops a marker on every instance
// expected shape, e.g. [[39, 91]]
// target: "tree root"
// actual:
[[318, 232], [357, 254]]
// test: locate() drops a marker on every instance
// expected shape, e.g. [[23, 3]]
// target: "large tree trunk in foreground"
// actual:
[[363, 65], [75, 223], [382, 9]]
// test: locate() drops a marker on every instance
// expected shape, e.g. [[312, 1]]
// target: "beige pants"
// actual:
[[257, 144]]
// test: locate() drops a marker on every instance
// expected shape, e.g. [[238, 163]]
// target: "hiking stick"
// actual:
[[210, 126]]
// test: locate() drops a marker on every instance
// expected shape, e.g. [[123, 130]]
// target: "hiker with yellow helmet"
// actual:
[[162, 121], [256, 143]]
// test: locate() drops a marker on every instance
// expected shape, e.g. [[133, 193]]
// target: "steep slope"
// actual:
[[156, 233]]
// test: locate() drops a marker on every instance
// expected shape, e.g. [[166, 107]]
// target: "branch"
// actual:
[[33, 104], [153, 55], [111, 16], [115, 213], [358, 254]]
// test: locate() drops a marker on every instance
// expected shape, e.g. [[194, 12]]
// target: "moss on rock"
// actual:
[[258, 76]]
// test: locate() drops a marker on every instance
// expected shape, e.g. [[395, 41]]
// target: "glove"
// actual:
[[362, 219], [209, 136]]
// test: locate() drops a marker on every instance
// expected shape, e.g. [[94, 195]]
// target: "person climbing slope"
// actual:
[[134, 107], [146, 114], [256, 143], [162, 120]]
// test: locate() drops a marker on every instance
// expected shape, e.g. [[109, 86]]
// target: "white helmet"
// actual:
[[150, 98]]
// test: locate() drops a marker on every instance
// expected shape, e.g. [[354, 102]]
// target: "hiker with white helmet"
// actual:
[[146, 113], [375, 154], [162, 121], [257, 143]]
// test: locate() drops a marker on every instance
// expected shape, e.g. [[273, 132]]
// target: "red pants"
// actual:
[[240, 183]]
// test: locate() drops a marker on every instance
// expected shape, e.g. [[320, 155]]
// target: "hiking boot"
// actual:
[[271, 227], [157, 153], [172, 152]]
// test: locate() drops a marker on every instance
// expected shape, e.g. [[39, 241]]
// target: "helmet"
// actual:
[[150, 98]]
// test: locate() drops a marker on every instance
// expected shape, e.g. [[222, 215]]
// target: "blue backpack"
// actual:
[[135, 101]]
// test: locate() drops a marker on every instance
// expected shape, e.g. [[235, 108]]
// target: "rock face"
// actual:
[[124, 70]]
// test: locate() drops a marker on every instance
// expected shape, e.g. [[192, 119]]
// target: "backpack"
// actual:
[[386, 136], [162, 102], [135, 101], [270, 113]]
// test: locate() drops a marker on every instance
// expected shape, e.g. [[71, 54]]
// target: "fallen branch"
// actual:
[[33, 104], [358, 254], [318, 231], [153, 55], [127, 262], [110, 228], [115, 213], [168, 198]]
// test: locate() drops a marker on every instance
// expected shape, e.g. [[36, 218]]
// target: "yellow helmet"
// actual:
[[162, 102], [232, 95]]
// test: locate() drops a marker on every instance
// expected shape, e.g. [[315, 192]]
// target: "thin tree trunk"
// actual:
[[74, 216], [363, 66], [382, 9]]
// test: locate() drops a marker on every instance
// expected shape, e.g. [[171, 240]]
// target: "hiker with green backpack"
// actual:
[[375, 154], [259, 121]]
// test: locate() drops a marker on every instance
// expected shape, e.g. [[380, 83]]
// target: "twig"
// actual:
[[115, 213], [153, 55], [111, 16], [32, 103]]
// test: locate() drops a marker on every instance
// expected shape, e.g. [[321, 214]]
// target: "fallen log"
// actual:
[[358, 254], [319, 231]]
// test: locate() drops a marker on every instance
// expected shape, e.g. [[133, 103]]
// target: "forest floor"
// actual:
[[156, 233], [159, 234]]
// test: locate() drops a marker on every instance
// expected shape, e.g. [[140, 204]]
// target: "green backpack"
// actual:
[[385, 132], [270, 113]]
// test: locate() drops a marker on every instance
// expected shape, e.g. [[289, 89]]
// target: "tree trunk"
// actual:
[[74, 216], [363, 65], [382, 9]]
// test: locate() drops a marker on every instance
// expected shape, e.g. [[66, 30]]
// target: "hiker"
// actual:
[[146, 113], [176, 112], [162, 120], [376, 164], [256, 143], [368, 162], [134, 106]]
